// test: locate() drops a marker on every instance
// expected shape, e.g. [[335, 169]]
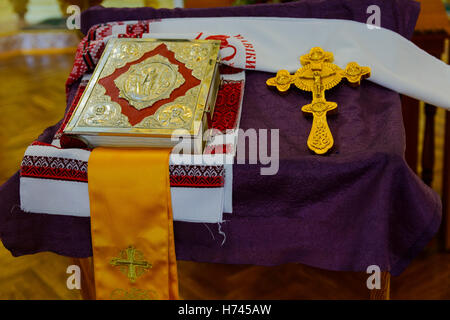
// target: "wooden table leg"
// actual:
[[87, 277], [384, 292], [445, 227], [428, 145]]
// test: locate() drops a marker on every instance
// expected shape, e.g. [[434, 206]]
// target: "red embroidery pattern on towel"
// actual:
[[227, 105], [54, 168], [197, 176]]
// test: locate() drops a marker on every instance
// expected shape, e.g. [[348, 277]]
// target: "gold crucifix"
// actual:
[[131, 263], [317, 75]]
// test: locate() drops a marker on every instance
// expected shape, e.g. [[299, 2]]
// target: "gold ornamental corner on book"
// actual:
[[149, 88]]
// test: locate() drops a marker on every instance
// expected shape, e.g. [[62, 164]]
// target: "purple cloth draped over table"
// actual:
[[359, 206]]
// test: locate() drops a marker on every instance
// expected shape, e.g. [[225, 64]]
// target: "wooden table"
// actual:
[[431, 31]]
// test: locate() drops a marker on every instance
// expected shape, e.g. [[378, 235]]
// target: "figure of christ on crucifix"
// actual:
[[317, 75]]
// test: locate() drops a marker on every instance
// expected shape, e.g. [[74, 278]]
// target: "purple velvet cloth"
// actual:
[[359, 206], [396, 15]]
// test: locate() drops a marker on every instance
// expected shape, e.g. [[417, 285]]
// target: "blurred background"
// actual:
[[36, 56]]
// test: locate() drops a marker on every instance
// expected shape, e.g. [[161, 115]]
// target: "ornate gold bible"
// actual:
[[149, 93]]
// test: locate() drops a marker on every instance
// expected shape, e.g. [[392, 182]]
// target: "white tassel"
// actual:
[[222, 233], [212, 235]]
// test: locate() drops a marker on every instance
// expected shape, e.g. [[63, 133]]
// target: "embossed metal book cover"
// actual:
[[148, 88]]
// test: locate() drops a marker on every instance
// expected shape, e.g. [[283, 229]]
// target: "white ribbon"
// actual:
[[278, 43]]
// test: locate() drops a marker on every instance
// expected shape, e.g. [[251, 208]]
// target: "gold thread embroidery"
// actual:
[[133, 294], [131, 262]]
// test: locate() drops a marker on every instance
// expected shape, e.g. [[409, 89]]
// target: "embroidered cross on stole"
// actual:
[[317, 75]]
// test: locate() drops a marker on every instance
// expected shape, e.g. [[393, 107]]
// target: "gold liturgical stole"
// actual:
[[131, 224]]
